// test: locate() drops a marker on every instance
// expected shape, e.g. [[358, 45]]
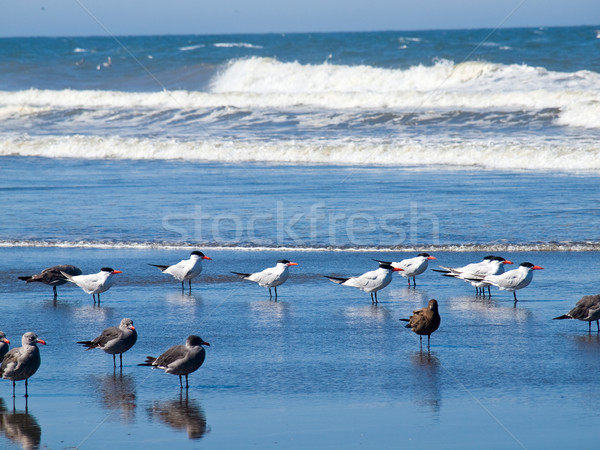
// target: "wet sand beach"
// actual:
[[321, 367]]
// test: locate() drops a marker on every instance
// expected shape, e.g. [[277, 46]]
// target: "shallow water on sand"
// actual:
[[321, 367], [110, 202]]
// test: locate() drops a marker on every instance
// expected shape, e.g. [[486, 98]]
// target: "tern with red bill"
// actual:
[[186, 269], [369, 282], [22, 362], [412, 267], [474, 273], [181, 359], [94, 283], [513, 280], [271, 277], [114, 340]]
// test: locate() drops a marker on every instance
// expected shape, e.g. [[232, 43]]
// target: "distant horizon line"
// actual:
[[266, 33]]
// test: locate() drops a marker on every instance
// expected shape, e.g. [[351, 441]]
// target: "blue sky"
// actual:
[[135, 17]]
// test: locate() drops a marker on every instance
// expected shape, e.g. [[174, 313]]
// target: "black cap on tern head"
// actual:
[[197, 253], [526, 264], [426, 255], [498, 258], [489, 257], [283, 261], [107, 269]]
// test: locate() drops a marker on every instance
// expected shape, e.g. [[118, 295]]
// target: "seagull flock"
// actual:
[[22, 362]]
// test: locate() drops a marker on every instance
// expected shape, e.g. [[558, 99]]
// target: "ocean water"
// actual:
[[329, 150], [511, 99]]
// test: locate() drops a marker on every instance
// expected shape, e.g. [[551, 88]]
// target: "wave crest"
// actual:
[[457, 248], [259, 82], [470, 154]]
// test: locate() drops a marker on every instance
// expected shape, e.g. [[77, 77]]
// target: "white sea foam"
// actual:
[[458, 248], [268, 83], [406, 39], [236, 44], [191, 47], [470, 154]]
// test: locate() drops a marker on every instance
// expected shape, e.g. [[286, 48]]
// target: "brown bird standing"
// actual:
[[586, 309], [425, 321], [52, 276]]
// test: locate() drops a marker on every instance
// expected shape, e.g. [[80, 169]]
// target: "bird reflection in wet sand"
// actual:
[[181, 414], [20, 427], [427, 392], [117, 393], [588, 342], [183, 298]]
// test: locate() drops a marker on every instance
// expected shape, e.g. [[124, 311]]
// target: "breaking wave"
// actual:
[[469, 154], [268, 83], [462, 248]]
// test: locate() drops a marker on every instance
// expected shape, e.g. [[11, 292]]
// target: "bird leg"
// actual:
[[270, 295], [55, 291], [190, 283], [376, 301], [114, 361], [490, 291], [180, 382], [598, 325], [408, 278], [14, 383], [186, 382], [26, 393], [414, 282], [121, 358], [275, 293], [182, 286]]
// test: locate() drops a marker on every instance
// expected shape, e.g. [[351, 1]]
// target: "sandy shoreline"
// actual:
[[305, 370]]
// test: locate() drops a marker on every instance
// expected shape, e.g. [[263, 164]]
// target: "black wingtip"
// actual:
[[338, 280], [382, 262], [242, 275], [149, 361]]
